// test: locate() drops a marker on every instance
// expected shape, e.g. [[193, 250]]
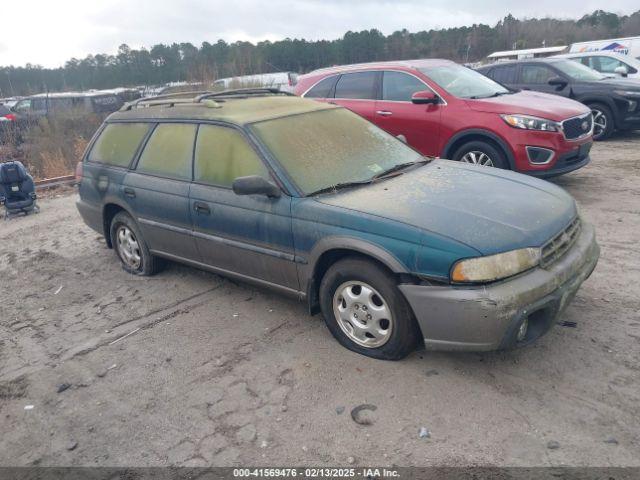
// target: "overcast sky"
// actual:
[[49, 32]]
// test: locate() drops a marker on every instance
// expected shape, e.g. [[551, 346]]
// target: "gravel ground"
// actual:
[[219, 373]]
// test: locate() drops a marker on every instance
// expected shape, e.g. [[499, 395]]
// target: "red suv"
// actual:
[[446, 110]]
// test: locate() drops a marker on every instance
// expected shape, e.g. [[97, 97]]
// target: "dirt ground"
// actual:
[[219, 373]]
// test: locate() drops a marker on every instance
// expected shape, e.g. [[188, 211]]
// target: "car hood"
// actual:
[[526, 102], [622, 83], [488, 209]]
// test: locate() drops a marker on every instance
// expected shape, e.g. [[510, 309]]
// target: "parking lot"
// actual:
[[98, 367]]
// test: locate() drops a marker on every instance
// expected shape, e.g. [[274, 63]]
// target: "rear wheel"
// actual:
[[131, 248], [365, 311], [482, 154], [602, 121]]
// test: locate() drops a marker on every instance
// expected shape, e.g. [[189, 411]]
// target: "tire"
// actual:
[[395, 337], [125, 227], [603, 113], [477, 152]]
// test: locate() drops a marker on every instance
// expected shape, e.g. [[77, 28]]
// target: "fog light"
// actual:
[[539, 155], [522, 331]]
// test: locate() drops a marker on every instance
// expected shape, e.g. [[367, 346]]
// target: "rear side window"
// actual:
[[118, 143], [322, 89], [537, 74], [358, 85], [504, 75], [222, 155], [400, 87], [169, 151]]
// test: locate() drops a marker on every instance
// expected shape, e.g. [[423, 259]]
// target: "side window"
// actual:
[[609, 65], [322, 89], [399, 87], [117, 143], [222, 155], [23, 106], [169, 151], [536, 74], [586, 61], [505, 75], [358, 85], [39, 104]]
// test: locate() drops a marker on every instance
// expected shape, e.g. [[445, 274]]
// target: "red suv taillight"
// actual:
[[79, 172]]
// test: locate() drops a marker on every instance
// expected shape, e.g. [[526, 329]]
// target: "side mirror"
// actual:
[[425, 97], [621, 70], [254, 184], [558, 82]]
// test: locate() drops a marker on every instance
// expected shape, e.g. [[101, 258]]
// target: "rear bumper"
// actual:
[[91, 215], [488, 317]]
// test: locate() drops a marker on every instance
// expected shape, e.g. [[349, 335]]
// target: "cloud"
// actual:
[[57, 31]]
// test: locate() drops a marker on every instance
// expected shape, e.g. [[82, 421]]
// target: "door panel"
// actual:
[[419, 124], [163, 214], [245, 234]]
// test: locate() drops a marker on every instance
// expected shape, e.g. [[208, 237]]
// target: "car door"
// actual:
[[536, 77], [395, 113], [357, 92], [249, 235], [157, 190]]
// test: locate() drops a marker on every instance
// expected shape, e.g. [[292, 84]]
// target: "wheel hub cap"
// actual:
[[476, 157], [599, 122], [128, 247], [362, 314]]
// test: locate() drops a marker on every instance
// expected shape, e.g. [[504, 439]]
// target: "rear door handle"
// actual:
[[129, 192], [201, 207], [384, 113]]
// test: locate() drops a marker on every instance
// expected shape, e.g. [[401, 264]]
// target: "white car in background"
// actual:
[[607, 63], [283, 81]]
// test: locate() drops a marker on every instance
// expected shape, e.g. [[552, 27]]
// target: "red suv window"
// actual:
[[358, 85]]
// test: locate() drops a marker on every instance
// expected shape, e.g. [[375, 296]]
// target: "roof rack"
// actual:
[[199, 96], [239, 92], [166, 96]]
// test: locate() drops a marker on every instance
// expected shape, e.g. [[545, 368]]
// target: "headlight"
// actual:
[[628, 93], [495, 267], [526, 122]]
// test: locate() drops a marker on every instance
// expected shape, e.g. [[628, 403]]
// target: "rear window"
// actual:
[[357, 86], [169, 151], [322, 89], [117, 143]]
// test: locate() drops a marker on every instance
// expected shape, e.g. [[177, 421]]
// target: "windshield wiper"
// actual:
[[400, 166], [339, 186], [494, 94]]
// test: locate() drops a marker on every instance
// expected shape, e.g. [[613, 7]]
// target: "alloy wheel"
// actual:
[[362, 314], [477, 157], [599, 122]]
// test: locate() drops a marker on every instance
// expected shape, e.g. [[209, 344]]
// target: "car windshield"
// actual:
[[463, 82], [578, 71], [331, 147]]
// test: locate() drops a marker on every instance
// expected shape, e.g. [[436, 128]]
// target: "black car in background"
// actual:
[[615, 102]]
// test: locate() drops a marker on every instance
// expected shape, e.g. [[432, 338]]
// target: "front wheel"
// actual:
[[365, 311], [602, 121], [481, 153]]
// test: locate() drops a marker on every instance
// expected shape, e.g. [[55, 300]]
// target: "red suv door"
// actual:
[[357, 92], [395, 113]]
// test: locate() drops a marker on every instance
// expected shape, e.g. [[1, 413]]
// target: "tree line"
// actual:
[[186, 62]]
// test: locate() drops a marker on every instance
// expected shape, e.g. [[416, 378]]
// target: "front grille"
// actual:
[[577, 127], [555, 248]]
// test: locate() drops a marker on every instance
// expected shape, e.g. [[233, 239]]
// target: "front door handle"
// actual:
[[129, 192], [201, 207], [384, 113]]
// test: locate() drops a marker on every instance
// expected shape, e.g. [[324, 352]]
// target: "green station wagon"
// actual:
[[396, 250]]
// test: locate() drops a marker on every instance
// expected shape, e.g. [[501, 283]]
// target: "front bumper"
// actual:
[[488, 317]]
